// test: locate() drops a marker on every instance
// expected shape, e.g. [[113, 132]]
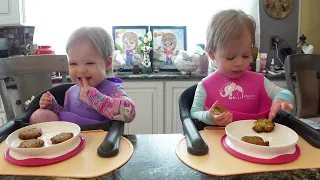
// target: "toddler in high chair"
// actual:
[[97, 95], [244, 94]]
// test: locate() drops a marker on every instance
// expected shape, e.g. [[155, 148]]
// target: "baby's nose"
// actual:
[[238, 62], [82, 69]]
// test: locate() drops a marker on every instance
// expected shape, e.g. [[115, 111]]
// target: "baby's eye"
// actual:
[[89, 63], [72, 64], [170, 43], [245, 57], [230, 58]]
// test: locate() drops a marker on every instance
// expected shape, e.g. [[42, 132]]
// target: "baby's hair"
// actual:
[[101, 40], [131, 36], [227, 26], [169, 36]]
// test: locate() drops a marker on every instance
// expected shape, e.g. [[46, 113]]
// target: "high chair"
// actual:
[[22, 70], [192, 126], [301, 72]]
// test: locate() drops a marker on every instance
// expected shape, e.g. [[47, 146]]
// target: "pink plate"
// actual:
[[284, 158], [45, 161]]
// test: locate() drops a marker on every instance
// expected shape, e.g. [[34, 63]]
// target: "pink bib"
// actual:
[[245, 97]]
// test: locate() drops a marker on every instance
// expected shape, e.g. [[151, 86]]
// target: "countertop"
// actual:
[[154, 157], [129, 76]]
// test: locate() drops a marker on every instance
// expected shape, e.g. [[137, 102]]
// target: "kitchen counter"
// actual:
[[126, 76], [154, 157]]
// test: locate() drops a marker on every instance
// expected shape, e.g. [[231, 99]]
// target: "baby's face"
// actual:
[[129, 44], [169, 44], [85, 62], [235, 60]]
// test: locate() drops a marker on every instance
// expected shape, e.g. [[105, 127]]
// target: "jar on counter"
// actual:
[[136, 69], [44, 50], [203, 64]]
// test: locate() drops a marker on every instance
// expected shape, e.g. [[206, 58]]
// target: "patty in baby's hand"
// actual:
[[255, 140], [219, 110], [263, 125], [61, 138], [31, 143], [32, 133]]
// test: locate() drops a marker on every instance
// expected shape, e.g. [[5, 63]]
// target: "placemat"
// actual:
[[86, 164], [220, 163]]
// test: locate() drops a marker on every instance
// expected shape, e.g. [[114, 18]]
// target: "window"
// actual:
[[54, 20]]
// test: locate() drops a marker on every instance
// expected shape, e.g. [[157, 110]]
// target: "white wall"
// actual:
[[56, 19]]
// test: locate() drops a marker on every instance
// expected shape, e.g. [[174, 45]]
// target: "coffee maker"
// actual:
[[4, 48]]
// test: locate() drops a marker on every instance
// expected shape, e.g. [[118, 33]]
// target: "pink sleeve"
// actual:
[[118, 106], [55, 107], [65, 98]]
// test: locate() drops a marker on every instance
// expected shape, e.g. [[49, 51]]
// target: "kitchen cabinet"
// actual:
[[156, 106], [173, 90], [3, 118], [17, 108], [12, 12], [148, 97], [15, 99]]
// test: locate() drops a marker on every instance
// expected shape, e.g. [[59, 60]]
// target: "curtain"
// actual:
[[55, 20]]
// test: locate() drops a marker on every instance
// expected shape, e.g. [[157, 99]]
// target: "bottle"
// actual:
[[258, 63], [263, 61], [272, 66]]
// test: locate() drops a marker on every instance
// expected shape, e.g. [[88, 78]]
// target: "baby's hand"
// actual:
[[84, 88], [221, 119], [279, 104], [46, 100]]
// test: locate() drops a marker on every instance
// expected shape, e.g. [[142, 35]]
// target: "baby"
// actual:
[[244, 94], [96, 96]]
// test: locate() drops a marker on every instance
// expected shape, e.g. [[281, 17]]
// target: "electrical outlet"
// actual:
[[274, 39]]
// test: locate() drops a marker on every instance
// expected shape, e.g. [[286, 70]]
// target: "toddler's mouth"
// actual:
[[237, 72]]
